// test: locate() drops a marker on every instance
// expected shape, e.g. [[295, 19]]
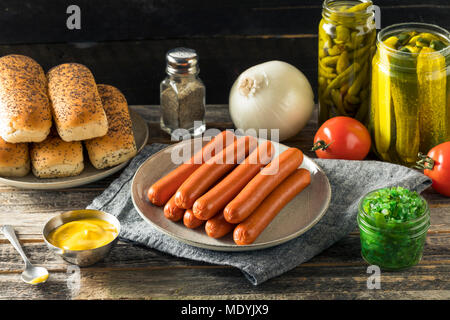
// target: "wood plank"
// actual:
[[45, 21], [339, 272], [138, 67], [114, 286], [13, 288], [227, 44], [220, 283], [165, 284], [125, 256]]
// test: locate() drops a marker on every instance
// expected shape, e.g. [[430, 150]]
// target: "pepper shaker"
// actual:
[[182, 94]]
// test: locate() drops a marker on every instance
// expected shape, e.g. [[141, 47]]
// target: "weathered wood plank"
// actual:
[[338, 272], [179, 19], [125, 256], [129, 53], [113, 286], [217, 283], [56, 288], [214, 113]]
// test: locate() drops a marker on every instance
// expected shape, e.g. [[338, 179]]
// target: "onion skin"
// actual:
[[271, 95]]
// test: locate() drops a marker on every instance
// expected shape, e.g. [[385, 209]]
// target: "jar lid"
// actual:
[[182, 61]]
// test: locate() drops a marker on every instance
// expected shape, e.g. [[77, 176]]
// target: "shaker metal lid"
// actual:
[[182, 61]]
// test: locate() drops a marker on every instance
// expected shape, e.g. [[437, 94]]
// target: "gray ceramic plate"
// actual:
[[89, 174], [298, 216]]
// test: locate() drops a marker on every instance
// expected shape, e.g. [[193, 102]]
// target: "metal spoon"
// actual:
[[31, 274]]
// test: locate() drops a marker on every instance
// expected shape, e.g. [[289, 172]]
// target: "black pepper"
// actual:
[[182, 94]]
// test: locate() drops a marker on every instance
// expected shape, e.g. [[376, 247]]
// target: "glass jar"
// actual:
[[392, 245], [347, 35], [410, 108], [182, 95]]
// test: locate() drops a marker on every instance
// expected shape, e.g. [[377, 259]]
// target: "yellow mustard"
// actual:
[[83, 234], [39, 279]]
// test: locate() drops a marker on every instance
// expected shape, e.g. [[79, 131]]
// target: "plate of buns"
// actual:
[[62, 129]]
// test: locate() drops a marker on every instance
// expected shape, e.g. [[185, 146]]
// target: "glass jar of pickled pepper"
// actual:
[[347, 35], [410, 104]]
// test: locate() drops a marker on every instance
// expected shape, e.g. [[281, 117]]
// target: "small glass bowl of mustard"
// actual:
[[82, 237]]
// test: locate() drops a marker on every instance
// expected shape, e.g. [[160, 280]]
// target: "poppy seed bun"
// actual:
[[25, 114], [75, 103], [118, 144], [56, 158], [14, 159]]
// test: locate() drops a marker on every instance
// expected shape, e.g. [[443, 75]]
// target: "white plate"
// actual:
[[298, 216], [89, 174]]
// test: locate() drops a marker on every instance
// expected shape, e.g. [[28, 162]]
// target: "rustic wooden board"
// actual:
[[43, 21], [337, 273]]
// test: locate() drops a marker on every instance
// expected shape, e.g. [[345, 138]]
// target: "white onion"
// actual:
[[271, 95]]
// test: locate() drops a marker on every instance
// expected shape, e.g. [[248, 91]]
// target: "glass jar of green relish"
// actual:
[[393, 224]]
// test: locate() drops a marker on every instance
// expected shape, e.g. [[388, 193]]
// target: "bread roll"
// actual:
[[118, 144], [14, 159], [76, 104], [56, 158], [25, 114]]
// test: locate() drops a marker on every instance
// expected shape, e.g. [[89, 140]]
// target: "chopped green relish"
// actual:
[[394, 204], [393, 224]]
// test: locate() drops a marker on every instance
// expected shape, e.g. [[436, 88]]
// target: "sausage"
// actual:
[[247, 231], [217, 198], [161, 191], [262, 184], [172, 212], [212, 170], [190, 220], [217, 226]]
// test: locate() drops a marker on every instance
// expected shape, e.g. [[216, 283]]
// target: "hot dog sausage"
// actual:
[[247, 231], [217, 198], [212, 170], [262, 184], [172, 212], [161, 191], [190, 220], [217, 226]]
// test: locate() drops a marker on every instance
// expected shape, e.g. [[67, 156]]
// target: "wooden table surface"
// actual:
[[133, 272]]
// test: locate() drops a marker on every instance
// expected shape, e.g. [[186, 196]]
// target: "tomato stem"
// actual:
[[424, 162], [320, 144]]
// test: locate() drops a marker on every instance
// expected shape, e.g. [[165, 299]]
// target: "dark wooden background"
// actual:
[[124, 41]]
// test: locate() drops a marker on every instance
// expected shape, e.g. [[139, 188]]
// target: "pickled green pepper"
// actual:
[[346, 45]]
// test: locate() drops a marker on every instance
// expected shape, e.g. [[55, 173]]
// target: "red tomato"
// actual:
[[342, 138], [437, 167]]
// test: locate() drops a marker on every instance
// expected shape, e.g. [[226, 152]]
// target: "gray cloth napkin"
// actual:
[[350, 180]]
